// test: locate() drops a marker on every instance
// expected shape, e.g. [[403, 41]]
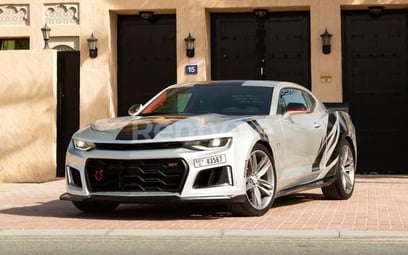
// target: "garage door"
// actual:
[[146, 58], [375, 66], [274, 47]]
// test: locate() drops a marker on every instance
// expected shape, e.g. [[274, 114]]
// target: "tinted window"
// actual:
[[291, 99], [202, 99], [310, 101]]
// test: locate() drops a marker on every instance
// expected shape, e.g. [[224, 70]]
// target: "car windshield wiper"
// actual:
[[159, 113]]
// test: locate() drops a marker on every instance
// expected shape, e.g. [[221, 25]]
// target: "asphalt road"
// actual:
[[101, 245]]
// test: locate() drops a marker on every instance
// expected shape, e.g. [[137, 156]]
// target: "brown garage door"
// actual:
[[146, 58], [375, 66], [275, 47], [68, 69]]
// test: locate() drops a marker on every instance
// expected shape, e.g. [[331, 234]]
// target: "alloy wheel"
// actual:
[[260, 180]]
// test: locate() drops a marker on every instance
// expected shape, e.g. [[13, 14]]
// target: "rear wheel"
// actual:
[[260, 184], [95, 206], [343, 187]]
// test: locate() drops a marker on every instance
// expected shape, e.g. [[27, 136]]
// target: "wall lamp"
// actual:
[[326, 44], [46, 30], [146, 15], [260, 13], [376, 10], [93, 49], [189, 45]]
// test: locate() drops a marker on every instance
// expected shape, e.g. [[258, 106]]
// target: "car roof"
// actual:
[[255, 83]]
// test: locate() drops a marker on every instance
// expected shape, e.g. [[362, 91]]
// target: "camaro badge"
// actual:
[[172, 164], [98, 174]]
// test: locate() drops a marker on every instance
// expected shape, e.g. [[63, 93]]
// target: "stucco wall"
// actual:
[[193, 17], [27, 78], [27, 116]]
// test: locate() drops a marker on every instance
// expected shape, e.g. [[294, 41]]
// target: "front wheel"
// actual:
[[342, 188], [260, 184]]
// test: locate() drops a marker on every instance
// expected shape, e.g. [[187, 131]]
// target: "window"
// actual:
[[310, 101], [15, 44], [291, 99], [221, 99]]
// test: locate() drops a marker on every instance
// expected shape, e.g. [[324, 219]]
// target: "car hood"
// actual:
[[163, 127]]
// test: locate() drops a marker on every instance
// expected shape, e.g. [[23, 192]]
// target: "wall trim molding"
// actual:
[[62, 14], [14, 15]]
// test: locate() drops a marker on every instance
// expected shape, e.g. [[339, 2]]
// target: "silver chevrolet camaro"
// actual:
[[242, 143]]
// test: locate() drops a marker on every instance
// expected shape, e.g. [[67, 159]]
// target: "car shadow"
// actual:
[[157, 212], [297, 198], [64, 209]]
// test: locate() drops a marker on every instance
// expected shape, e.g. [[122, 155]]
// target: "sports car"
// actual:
[[242, 143]]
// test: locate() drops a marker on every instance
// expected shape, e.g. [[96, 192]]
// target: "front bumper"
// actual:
[[215, 182], [151, 199]]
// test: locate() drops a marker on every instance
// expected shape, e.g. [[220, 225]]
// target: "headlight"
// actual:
[[83, 145], [208, 144]]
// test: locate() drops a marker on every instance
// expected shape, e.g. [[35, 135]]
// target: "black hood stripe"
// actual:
[[144, 129], [257, 127]]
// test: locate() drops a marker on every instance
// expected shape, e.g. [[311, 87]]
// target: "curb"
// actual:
[[237, 234]]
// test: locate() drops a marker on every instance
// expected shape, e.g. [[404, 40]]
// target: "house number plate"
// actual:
[[191, 69]]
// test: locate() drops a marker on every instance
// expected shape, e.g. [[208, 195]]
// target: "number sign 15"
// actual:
[[191, 69]]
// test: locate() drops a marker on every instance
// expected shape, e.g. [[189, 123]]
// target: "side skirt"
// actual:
[[307, 186]]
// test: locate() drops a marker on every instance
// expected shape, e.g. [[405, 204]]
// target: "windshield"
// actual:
[[221, 99]]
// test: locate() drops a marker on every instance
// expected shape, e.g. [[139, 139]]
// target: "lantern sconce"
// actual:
[[93, 49], [146, 15], [376, 10], [46, 30], [260, 13], [189, 45], [326, 44]]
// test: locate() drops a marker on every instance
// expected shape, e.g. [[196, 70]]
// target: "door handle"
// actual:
[[316, 125], [262, 68]]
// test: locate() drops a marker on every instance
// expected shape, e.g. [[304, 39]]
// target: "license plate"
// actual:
[[210, 161]]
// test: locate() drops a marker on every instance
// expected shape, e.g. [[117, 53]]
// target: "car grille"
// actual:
[[141, 146], [153, 175]]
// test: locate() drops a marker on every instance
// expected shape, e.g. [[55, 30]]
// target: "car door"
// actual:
[[303, 130]]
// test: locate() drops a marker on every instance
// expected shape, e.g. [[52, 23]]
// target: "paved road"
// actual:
[[380, 203], [100, 245]]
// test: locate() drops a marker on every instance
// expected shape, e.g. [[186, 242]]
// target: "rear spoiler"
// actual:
[[337, 106]]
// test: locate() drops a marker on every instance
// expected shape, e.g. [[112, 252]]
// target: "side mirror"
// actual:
[[135, 109]]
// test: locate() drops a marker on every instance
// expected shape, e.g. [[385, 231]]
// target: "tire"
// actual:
[[260, 184], [342, 188], [95, 206]]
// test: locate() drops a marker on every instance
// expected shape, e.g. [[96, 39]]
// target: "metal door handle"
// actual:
[[262, 67], [316, 125]]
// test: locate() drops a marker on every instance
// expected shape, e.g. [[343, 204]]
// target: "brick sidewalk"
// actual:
[[379, 203]]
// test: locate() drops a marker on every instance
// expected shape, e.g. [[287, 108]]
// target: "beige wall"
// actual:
[[28, 116], [193, 16], [99, 76], [27, 78]]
